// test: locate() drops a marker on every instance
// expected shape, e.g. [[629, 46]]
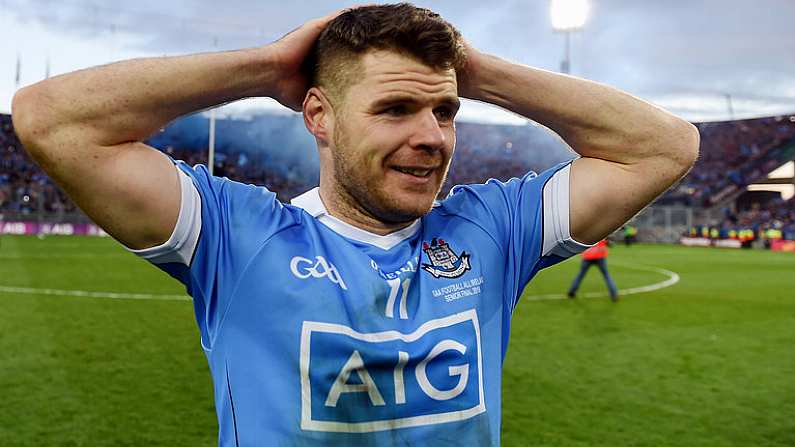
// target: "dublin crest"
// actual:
[[444, 262]]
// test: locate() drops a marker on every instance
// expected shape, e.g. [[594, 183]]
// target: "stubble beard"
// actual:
[[365, 195]]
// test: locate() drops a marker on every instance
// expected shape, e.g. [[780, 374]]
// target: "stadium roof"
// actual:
[[707, 60]]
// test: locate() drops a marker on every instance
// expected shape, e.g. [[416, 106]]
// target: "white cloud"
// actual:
[[715, 107], [35, 44], [679, 54]]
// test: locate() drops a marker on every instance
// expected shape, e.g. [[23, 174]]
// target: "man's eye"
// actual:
[[396, 110], [444, 114]]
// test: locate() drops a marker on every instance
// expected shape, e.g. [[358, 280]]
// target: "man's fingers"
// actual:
[[319, 23], [316, 25], [329, 17], [333, 15]]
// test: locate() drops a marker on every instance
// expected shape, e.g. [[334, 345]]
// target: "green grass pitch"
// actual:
[[708, 361]]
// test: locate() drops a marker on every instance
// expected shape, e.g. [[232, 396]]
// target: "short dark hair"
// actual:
[[415, 32]]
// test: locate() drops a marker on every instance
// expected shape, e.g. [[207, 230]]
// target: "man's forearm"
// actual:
[[631, 151], [595, 120], [128, 101], [86, 129]]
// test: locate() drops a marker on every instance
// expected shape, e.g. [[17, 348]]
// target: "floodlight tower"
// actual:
[[211, 139], [568, 16]]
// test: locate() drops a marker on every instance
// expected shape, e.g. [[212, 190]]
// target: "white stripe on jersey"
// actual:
[[557, 236], [182, 243]]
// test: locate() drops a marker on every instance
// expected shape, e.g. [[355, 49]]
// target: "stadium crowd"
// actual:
[[762, 221], [24, 188], [483, 155], [733, 154], [241, 167]]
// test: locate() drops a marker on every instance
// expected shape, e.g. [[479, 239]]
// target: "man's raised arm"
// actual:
[[85, 128], [631, 151]]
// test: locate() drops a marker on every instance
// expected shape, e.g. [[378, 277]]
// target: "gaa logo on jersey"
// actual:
[[355, 382], [444, 261]]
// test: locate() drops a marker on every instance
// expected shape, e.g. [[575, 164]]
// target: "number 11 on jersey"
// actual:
[[395, 286]]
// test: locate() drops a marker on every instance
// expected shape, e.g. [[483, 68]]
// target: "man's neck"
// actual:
[[355, 215]]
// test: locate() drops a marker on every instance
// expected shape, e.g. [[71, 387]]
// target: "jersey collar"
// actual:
[[311, 203]]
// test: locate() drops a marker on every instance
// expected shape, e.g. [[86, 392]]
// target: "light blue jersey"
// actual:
[[320, 333]]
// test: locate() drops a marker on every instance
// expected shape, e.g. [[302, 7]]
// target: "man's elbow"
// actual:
[[29, 114], [683, 146]]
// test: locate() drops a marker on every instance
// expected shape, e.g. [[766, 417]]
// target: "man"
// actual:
[[362, 313], [630, 234], [596, 255]]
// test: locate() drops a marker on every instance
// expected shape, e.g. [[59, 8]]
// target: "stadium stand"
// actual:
[[483, 152], [24, 188], [733, 155], [771, 220]]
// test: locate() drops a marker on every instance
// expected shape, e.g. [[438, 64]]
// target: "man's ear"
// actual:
[[318, 115]]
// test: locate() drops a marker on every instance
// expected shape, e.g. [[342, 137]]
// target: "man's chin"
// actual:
[[405, 210]]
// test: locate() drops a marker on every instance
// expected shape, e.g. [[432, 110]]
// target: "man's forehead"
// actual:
[[387, 73]]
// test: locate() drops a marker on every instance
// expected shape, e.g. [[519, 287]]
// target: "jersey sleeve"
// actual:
[[527, 217], [222, 224]]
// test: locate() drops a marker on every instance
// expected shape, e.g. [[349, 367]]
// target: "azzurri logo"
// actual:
[[363, 382]]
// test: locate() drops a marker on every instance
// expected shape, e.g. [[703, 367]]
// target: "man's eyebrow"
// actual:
[[451, 101]]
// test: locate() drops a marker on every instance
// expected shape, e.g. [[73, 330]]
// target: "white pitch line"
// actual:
[[85, 293], [673, 278], [51, 256]]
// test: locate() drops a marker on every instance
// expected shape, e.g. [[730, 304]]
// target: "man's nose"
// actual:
[[428, 134]]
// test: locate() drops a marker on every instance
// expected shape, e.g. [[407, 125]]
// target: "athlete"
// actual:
[[596, 255], [364, 312]]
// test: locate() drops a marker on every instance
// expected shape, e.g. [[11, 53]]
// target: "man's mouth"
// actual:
[[416, 172]]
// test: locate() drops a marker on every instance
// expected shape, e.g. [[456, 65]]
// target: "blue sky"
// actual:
[[690, 57]]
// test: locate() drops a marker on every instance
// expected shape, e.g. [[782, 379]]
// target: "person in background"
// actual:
[[630, 234], [596, 255]]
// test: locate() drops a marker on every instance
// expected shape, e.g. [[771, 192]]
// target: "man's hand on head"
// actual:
[[287, 56], [468, 77]]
